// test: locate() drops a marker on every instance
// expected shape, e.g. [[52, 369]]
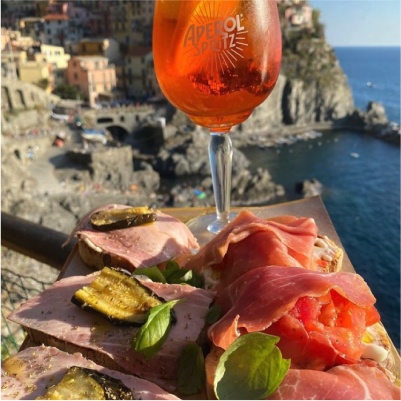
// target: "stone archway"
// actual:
[[120, 134], [148, 139], [6, 103], [21, 98]]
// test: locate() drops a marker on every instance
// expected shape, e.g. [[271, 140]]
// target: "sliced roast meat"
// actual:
[[28, 374], [139, 246], [51, 318]]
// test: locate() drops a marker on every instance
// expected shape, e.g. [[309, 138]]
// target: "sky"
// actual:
[[360, 22]]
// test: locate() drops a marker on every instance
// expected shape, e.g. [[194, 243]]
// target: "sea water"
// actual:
[[361, 178]]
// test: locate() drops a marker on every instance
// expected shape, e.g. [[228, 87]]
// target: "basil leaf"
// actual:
[[213, 314], [170, 268], [178, 276], [151, 336], [152, 272], [175, 275], [191, 370], [250, 369], [194, 279]]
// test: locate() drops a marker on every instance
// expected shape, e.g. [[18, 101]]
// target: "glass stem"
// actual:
[[220, 156]]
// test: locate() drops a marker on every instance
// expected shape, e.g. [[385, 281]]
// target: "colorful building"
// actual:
[[131, 22], [58, 59], [93, 76], [107, 47], [137, 72], [55, 28], [298, 15], [36, 70]]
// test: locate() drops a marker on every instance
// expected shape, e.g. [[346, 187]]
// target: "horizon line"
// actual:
[[356, 45]]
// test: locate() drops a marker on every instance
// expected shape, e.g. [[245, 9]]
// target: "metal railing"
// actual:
[[35, 241]]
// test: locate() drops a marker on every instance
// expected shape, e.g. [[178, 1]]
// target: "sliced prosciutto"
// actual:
[[140, 246], [28, 374], [51, 318], [319, 317], [362, 381], [249, 242]]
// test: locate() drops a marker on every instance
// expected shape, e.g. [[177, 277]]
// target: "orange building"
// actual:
[[93, 76]]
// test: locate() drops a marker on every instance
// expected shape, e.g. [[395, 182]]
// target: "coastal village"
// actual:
[[102, 49], [78, 85]]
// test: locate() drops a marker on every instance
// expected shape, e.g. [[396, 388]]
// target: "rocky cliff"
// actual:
[[312, 88]]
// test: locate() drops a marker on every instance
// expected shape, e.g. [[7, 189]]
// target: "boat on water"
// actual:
[[95, 135]]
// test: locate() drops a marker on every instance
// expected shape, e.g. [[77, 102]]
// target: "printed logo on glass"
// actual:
[[215, 38]]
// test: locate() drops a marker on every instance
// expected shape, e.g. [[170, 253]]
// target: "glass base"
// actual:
[[200, 227]]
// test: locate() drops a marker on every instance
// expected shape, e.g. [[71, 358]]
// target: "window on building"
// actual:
[[75, 76]]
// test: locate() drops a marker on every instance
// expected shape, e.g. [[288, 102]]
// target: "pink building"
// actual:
[[93, 76], [299, 15]]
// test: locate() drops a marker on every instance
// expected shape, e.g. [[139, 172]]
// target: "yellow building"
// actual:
[[58, 59], [37, 71], [107, 47]]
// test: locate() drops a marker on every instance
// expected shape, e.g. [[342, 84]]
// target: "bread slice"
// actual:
[[327, 255], [379, 347], [211, 362], [97, 258]]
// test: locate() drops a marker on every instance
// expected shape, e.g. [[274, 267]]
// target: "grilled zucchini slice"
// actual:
[[117, 296], [113, 219], [87, 384]]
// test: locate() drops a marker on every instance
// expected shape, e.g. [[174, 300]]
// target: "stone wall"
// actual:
[[26, 147], [17, 95]]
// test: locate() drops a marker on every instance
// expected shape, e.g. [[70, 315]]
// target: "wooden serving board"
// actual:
[[310, 207]]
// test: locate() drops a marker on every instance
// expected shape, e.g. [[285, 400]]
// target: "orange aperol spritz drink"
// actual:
[[216, 60]]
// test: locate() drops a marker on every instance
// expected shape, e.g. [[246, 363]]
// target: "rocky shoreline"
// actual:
[[57, 186]]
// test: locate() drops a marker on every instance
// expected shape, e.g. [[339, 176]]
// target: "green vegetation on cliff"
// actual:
[[306, 54]]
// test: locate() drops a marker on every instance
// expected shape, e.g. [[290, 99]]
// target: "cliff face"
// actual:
[[312, 88], [316, 88]]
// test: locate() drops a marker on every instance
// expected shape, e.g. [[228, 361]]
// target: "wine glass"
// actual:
[[216, 60]]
